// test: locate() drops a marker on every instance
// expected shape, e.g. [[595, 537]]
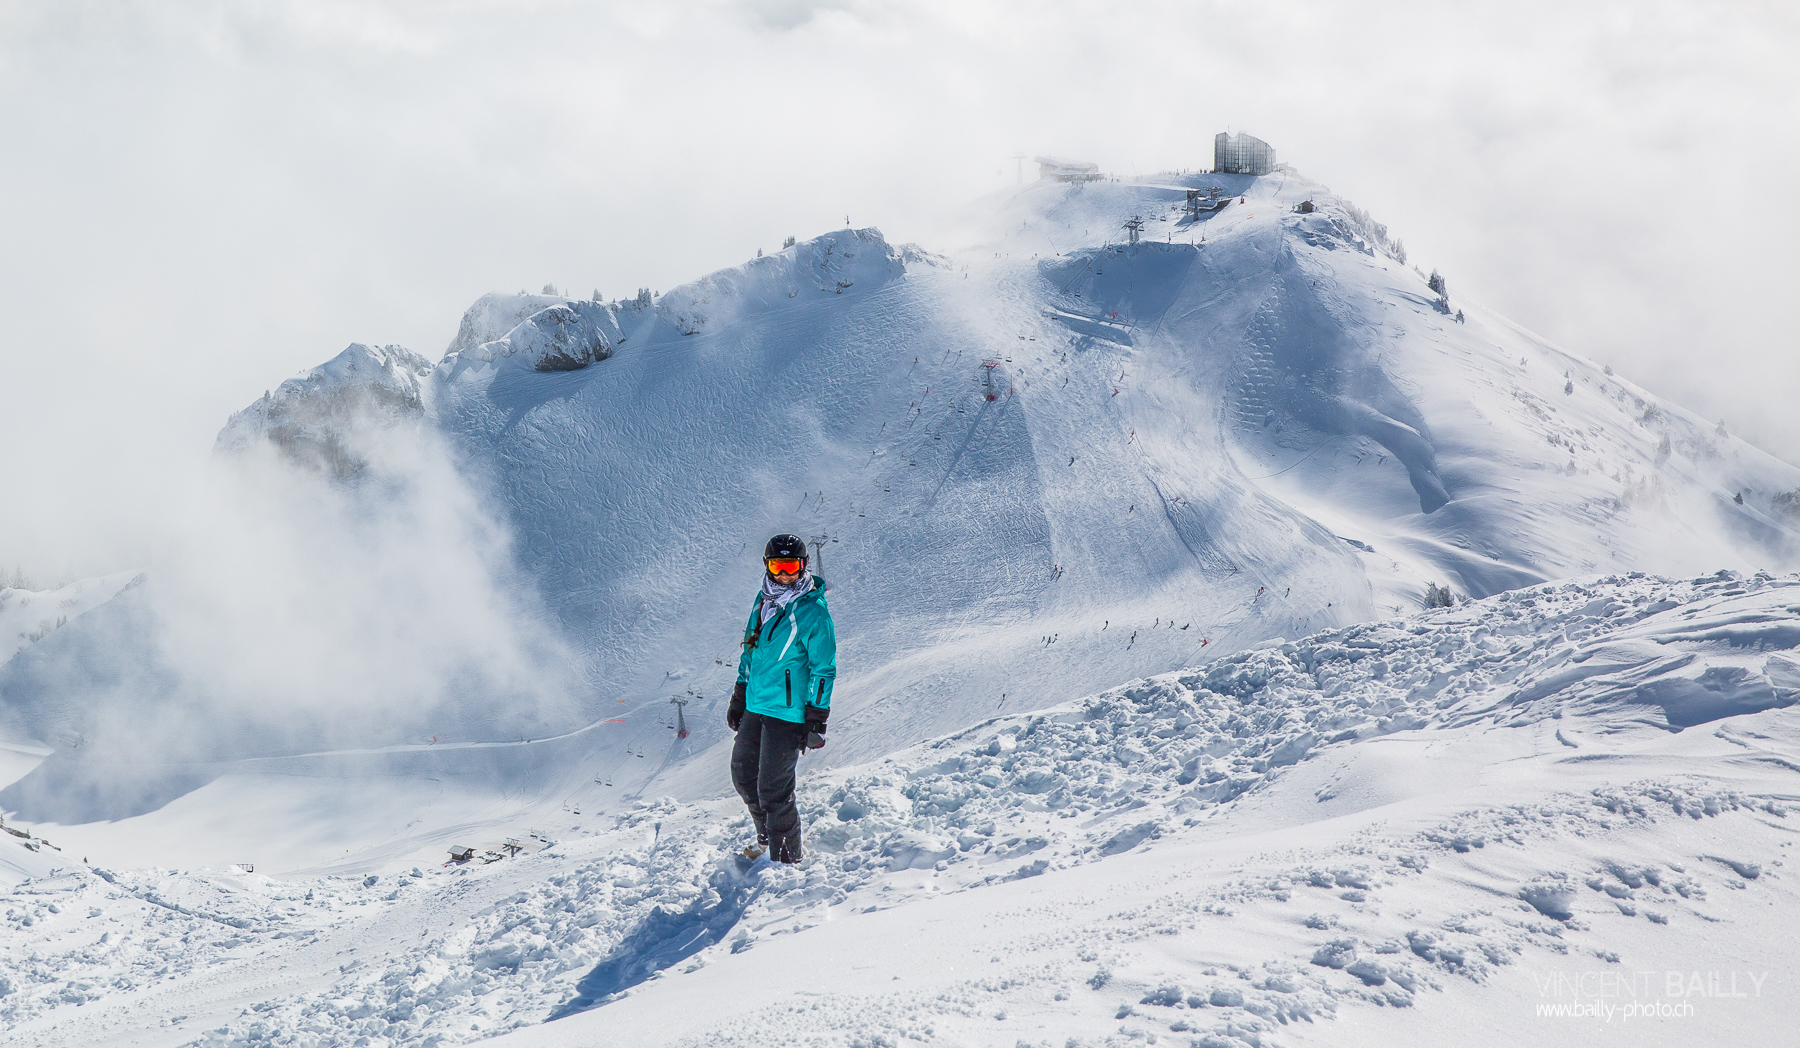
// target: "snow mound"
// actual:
[[319, 419], [832, 264]]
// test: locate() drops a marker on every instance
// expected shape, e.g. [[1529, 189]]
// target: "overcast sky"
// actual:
[[200, 199]]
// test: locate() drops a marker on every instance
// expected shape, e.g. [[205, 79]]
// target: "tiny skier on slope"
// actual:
[[783, 694]]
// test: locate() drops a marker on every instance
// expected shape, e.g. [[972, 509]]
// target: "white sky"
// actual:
[[201, 199]]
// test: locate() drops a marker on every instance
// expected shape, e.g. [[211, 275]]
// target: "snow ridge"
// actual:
[[832, 264]]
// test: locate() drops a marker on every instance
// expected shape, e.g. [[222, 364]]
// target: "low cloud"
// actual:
[[295, 611]]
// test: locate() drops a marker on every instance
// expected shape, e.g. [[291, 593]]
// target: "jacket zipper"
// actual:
[[789, 675], [768, 628]]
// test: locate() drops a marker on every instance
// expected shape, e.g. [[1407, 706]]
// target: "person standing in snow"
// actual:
[[783, 694]]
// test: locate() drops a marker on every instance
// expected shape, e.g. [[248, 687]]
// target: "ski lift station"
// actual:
[[1062, 169], [1242, 155]]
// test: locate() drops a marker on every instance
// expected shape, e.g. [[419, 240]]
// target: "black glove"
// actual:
[[815, 726], [734, 713]]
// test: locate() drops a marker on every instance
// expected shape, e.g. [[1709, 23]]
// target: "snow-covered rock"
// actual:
[[320, 419], [567, 336], [495, 314]]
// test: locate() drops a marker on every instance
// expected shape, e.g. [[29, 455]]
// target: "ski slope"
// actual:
[[1223, 462]]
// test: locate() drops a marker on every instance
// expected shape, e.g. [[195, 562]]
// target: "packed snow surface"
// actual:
[[1520, 801]]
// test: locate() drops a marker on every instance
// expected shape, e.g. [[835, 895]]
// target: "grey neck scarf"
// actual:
[[776, 596]]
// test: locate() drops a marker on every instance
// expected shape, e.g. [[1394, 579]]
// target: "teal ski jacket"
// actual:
[[789, 662]]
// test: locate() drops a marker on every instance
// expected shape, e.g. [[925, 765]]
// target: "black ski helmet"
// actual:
[[785, 546]]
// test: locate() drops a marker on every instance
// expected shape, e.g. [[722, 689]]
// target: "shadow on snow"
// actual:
[[665, 939]]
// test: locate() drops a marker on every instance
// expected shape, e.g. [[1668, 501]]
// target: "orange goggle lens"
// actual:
[[785, 566]]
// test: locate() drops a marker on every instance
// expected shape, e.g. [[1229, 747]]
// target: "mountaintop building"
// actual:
[[1242, 155], [1062, 169]]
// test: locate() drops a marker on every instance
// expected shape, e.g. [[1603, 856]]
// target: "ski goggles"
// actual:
[[785, 565]]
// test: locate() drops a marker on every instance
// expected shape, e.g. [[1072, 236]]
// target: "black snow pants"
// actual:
[[762, 769]]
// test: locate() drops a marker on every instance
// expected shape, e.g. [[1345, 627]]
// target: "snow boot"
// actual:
[[754, 851], [787, 848]]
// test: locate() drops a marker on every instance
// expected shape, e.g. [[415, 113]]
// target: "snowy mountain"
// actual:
[[1121, 528], [1259, 434], [1255, 422]]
